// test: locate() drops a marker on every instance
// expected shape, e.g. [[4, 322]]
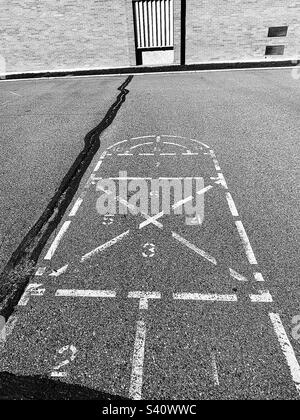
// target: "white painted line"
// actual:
[[232, 205], [97, 167], [190, 154], [205, 297], [76, 207], [146, 154], [41, 271], [141, 145], [200, 142], [263, 296], [237, 276], [167, 154], [144, 296], [190, 198], [258, 277], [246, 242], [125, 154], [105, 246], [215, 369], [204, 190], [57, 240], [221, 180], [136, 383], [143, 137], [181, 202], [116, 144], [85, 293], [32, 289], [287, 349], [152, 220], [7, 330], [59, 272], [59, 375], [174, 144], [194, 248]]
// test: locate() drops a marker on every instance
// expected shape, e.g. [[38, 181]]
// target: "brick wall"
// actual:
[[223, 30], [65, 34]]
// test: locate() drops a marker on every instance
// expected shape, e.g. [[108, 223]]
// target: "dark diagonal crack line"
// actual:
[[19, 269]]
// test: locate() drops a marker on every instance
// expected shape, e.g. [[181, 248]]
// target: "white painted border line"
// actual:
[[7, 330], [33, 289], [246, 242], [97, 167], [136, 383], [57, 240], [85, 293], [194, 248], [76, 207], [205, 297], [287, 349], [105, 246], [215, 369], [232, 205]]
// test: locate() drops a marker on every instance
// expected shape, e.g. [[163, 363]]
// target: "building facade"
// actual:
[[42, 35]]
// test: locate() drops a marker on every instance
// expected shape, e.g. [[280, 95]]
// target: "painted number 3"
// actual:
[[148, 250]]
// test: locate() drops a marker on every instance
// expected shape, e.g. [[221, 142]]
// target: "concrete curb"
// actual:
[[155, 69]]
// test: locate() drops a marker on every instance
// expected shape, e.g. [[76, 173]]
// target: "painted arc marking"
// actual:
[[141, 144], [237, 276], [232, 205], [143, 137], [76, 207], [85, 293], [116, 144], [264, 296], [194, 248], [136, 383], [246, 242], [205, 297], [174, 144], [287, 349], [103, 247], [57, 240]]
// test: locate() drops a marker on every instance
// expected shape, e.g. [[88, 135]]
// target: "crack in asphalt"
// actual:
[[20, 267]]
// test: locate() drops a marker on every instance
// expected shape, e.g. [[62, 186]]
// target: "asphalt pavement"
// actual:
[[169, 307]]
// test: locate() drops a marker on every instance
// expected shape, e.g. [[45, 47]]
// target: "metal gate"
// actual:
[[154, 29]]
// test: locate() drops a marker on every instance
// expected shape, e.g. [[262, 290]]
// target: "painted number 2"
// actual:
[[57, 369]]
